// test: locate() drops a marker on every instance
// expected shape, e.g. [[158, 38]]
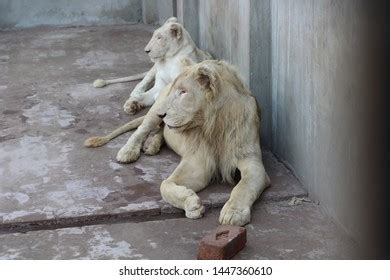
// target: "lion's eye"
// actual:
[[182, 91], [158, 37]]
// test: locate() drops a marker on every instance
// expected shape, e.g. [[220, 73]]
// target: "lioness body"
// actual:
[[169, 45], [212, 122]]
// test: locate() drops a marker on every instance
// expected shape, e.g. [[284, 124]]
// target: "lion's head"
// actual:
[[204, 90], [166, 40], [209, 102], [186, 101]]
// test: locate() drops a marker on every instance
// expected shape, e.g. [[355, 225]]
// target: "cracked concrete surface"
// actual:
[[277, 231], [48, 107]]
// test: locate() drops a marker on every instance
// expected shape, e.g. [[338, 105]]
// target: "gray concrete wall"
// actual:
[[27, 13], [260, 64], [187, 13], [157, 11], [317, 82], [224, 31], [239, 32]]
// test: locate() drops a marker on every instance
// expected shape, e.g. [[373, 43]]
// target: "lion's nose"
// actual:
[[147, 51], [162, 115]]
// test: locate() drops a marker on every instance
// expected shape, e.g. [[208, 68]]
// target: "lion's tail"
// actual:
[[98, 141], [101, 83]]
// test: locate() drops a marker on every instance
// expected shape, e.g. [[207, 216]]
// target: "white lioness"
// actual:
[[212, 121], [168, 46]]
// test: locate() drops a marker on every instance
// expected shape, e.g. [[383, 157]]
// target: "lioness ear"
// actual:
[[175, 30], [207, 78], [171, 19]]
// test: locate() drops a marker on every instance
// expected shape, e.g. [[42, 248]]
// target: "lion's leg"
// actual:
[[180, 188], [143, 93], [254, 179], [146, 83], [131, 150], [136, 102], [154, 142]]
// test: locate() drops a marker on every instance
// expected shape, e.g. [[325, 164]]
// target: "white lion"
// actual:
[[168, 46], [212, 121]]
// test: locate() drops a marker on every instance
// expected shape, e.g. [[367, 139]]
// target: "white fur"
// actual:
[[167, 48], [214, 127], [167, 51]]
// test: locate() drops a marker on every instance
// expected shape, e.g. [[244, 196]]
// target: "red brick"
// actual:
[[223, 243]]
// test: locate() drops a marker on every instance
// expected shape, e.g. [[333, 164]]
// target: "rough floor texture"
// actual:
[[48, 107], [277, 231]]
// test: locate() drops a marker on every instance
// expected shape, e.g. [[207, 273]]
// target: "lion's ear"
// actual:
[[185, 61], [171, 19], [175, 30], [207, 78]]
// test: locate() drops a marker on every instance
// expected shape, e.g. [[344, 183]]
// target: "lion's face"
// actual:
[[184, 105], [189, 98], [166, 40]]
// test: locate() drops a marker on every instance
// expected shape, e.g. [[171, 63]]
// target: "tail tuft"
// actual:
[[94, 142], [99, 83]]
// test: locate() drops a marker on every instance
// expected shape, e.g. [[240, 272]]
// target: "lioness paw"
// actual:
[[126, 155], [131, 106], [231, 214]]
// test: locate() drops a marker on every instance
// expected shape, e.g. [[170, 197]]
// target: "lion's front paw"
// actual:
[[127, 155], [232, 214], [132, 106], [193, 207]]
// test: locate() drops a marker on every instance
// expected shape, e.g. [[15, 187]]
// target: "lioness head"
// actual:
[[191, 95], [166, 40]]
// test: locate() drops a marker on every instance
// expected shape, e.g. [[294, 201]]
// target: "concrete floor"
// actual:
[[277, 231], [49, 180]]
